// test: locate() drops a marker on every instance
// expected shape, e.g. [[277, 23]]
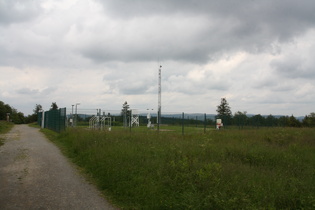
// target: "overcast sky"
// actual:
[[259, 55]]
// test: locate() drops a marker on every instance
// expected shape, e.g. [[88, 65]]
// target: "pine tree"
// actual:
[[224, 111]]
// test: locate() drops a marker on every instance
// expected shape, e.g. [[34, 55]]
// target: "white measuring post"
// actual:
[[219, 124], [149, 120]]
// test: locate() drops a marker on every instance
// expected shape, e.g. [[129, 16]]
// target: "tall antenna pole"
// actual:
[[159, 100]]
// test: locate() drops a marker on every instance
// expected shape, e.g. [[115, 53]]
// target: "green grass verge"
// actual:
[[230, 169], [4, 128], [34, 125]]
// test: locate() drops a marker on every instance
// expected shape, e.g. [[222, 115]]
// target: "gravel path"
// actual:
[[35, 175]]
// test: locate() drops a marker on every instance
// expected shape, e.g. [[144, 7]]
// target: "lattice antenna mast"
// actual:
[[159, 99]]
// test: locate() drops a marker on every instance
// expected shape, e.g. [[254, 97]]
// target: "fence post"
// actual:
[[43, 119], [205, 124], [158, 119], [130, 113], [183, 123]]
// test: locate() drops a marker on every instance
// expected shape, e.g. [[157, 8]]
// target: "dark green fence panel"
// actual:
[[55, 120], [62, 119], [39, 118]]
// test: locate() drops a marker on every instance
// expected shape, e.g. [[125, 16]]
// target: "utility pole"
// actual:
[[159, 100], [72, 120], [76, 114]]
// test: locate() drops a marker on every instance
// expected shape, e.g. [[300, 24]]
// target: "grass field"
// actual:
[[266, 168]]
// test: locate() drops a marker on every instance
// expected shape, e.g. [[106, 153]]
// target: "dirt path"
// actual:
[[35, 175]]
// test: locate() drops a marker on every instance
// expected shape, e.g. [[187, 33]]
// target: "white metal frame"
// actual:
[[134, 118], [97, 122]]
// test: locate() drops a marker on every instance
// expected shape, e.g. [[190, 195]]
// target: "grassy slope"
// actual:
[[240, 169]]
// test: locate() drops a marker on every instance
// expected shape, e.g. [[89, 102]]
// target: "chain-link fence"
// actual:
[[140, 120], [147, 120], [144, 120]]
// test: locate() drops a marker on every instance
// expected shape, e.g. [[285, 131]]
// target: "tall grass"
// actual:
[[4, 128], [230, 169]]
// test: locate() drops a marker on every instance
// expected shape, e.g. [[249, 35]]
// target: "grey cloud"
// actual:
[[134, 87], [275, 85], [294, 66], [282, 17], [283, 86], [140, 40], [133, 90], [216, 27], [189, 31], [74, 44], [34, 92], [27, 91], [15, 11], [127, 54], [210, 82], [187, 86], [263, 84], [133, 83]]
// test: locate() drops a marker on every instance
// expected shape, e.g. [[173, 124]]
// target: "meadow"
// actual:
[[265, 168]]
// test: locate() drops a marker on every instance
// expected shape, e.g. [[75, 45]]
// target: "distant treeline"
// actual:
[[241, 120], [7, 112]]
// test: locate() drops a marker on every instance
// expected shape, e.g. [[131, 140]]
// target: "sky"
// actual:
[[259, 55]]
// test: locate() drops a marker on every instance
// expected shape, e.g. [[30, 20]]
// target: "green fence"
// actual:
[[39, 118], [54, 119]]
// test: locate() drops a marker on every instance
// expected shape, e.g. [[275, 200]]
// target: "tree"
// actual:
[[257, 120], [17, 117], [3, 113], [271, 121], [33, 117], [4, 110], [38, 107], [14, 115], [53, 106], [309, 120], [293, 122], [224, 111], [283, 121], [240, 118], [124, 112]]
